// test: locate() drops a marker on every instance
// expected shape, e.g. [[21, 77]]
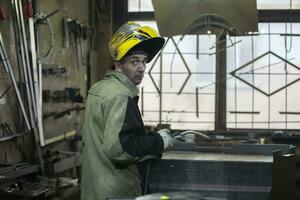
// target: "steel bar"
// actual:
[[35, 78], [253, 81], [213, 73], [289, 113], [185, 64], [220, 87], [152, 66], [9, 71], [269, 77], [176, 111], [197, 102], [197, 46], [285, 67], [244, 112], [160, 87], [22, 52], [24, 45], [18, 9], [235, 74], [40, 86], [152, 79], [228, 122], [289, 34], [175, 93], [10, 137]]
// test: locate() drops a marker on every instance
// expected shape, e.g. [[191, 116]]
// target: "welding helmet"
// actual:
[[132, 36]]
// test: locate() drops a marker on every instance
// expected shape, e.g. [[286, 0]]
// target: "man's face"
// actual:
[[133, 67]]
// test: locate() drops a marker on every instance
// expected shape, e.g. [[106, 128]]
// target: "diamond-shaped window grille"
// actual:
[[183, 60], [262, 75]]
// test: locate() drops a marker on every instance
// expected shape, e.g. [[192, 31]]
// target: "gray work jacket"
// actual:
[[114, 140]]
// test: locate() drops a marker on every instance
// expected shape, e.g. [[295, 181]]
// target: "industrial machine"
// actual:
[[226, 170]]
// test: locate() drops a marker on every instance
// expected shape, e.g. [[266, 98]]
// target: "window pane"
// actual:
[[282, 4], [146, 5], [140, 5], [274, 65], [179, 110]]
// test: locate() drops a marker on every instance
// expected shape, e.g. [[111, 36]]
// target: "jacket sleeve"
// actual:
[[125, 142]]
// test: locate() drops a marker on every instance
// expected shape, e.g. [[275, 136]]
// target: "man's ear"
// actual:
[[118, 65]]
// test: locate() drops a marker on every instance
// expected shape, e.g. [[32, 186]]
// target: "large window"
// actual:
[[180, 91], [263, 93], [146, 5], [266, 96]]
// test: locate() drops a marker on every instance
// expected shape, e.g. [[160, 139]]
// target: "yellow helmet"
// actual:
[[132, 36]]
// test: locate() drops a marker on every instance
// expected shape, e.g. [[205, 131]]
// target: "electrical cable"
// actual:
[[202, 135], [47, 53]]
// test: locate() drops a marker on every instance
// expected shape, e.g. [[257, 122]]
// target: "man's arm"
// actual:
[[123, 142]]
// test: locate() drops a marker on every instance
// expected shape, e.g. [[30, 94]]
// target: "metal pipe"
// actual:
[[36, 79], [30, 80], [22, 48]]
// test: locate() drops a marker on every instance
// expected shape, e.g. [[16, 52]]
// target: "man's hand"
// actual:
[[169, 141]]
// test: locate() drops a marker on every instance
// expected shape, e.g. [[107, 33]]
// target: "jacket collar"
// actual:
[[124, 80]]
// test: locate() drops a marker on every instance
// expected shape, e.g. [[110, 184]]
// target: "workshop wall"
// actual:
[[68, 72], [64, 77]]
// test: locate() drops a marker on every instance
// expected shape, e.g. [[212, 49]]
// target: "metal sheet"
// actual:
[[173, 16], [196, 156], [213, 178], [176, 196]]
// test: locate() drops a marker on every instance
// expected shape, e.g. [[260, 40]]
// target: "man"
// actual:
[[114, 137]]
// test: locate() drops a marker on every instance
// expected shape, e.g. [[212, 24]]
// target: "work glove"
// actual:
[[169, 141]]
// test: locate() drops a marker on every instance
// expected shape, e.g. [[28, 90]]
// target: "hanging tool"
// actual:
[[42, 17], [72, 26], [66, 32], [76, 29], [79, 32]]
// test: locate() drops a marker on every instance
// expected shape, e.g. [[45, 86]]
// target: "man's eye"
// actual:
[[135, 62]]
